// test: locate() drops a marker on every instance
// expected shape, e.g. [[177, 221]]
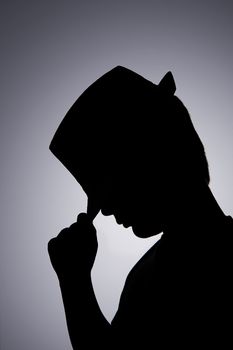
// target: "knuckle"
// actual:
[[73, 226], [63, 231], [51, 244]]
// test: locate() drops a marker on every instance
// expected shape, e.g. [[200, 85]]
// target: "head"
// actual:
[[130, 143]]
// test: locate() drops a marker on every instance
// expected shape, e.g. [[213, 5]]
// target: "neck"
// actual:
[[193, 210]]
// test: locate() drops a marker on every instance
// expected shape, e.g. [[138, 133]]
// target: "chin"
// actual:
[[145, 232]]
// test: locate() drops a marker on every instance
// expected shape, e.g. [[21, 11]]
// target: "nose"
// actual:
[[106, 211], [120, 219]]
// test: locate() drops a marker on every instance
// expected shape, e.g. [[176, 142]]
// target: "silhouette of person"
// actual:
[[132, 147]]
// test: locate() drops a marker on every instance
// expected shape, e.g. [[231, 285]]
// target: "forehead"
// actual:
[[108, 182], [93, 182]]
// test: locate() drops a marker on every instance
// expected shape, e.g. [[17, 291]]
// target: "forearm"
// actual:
[[72, 254], [85, 321]]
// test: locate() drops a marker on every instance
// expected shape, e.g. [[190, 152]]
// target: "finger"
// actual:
[[84, 223], [92, 209], [51, 245]]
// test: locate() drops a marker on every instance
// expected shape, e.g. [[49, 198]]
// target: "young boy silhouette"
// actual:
[[132, 147]]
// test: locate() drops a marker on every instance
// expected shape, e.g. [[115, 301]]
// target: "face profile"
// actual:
[[130, 202], [114, 140]]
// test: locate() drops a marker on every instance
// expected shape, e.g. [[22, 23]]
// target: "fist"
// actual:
[[74, 250]]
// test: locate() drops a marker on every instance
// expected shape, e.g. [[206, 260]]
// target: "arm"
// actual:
[[86, 323], [72, 255]]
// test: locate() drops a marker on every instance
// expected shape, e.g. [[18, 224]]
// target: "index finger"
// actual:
[[92, 209]]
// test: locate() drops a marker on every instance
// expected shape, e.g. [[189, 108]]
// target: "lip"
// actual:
[[121, 222], [118, 220]]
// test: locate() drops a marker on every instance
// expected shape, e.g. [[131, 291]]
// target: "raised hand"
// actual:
[[74, 250]]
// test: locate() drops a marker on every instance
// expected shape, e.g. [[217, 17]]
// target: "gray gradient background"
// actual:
[[50, 52]]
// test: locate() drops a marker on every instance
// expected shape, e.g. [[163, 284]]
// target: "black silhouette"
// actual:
[[133, 148]]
